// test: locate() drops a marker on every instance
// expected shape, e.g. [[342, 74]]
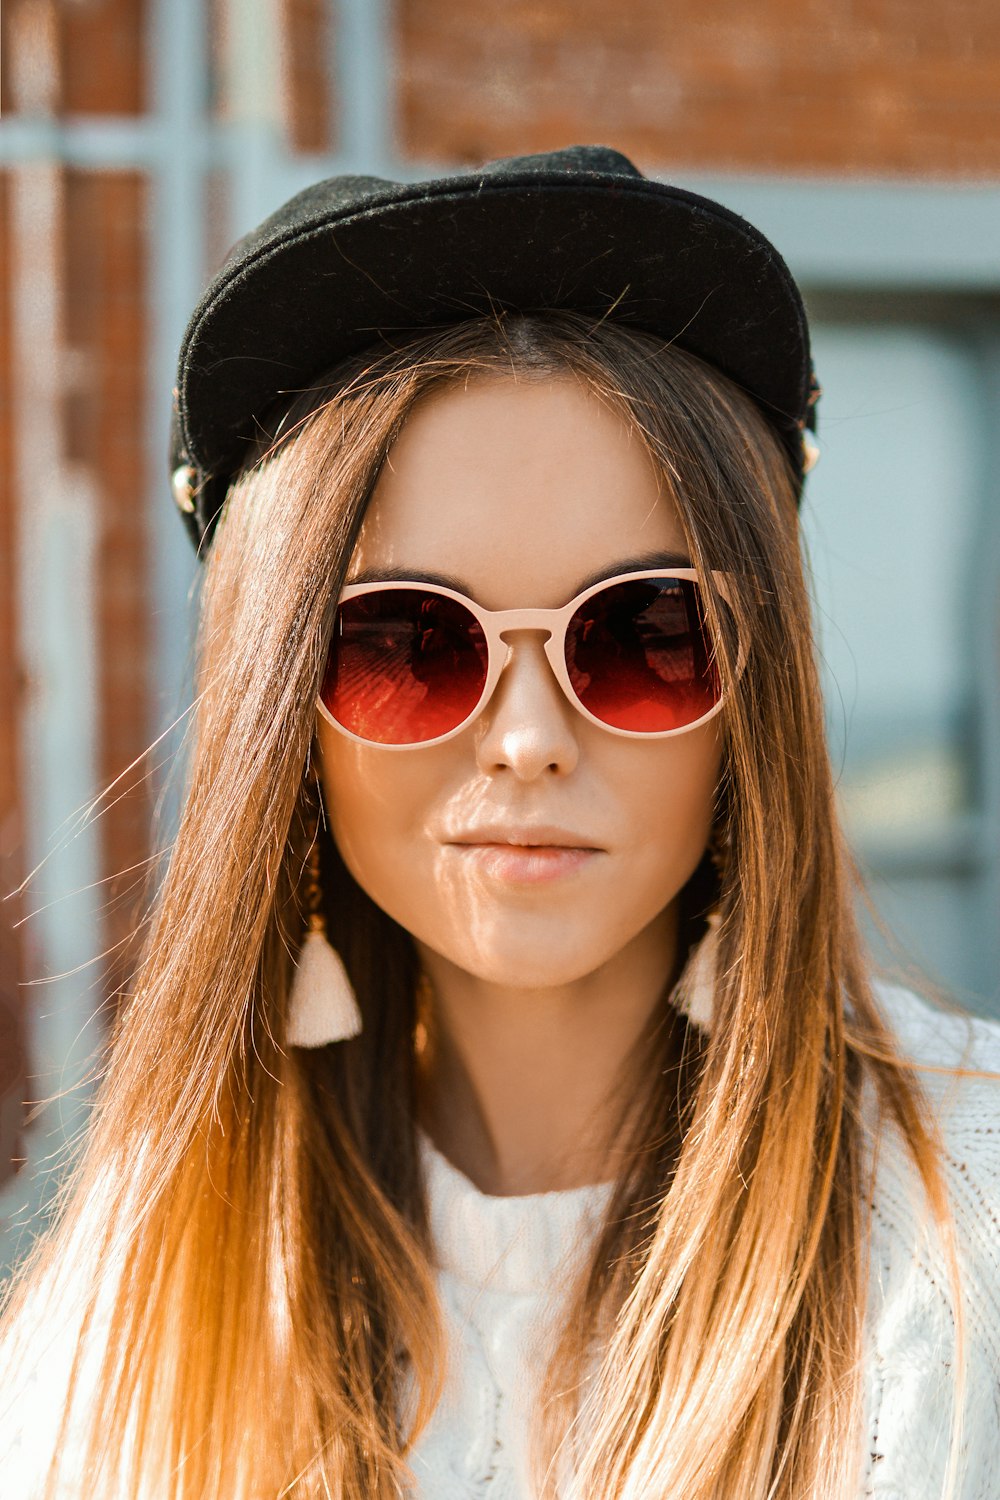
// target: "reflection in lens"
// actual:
[[638, 655], [405, 665]]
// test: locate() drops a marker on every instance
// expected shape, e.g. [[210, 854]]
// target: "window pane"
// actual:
[[889, 518]]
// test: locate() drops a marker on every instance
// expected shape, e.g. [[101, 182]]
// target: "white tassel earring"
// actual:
[[323, 1006], [694, 992]]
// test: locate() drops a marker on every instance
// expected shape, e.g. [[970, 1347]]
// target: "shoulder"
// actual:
[[956, 1062], [912, 1310], [932, 1035]]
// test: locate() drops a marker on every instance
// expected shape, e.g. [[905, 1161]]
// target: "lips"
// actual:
[[525, 864], [546, 836]]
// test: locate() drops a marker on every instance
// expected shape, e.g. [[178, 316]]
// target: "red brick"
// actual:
[[100, 54], [107, 291], [306, 84], [872, 87]]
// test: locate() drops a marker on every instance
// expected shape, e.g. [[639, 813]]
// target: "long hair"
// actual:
[[242, 1257]]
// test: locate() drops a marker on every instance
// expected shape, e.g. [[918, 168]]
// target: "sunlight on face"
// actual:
[[521, 489]]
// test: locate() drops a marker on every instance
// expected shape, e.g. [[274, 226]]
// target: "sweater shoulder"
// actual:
[[956, 1063], [933, 1035], [915, 1375]]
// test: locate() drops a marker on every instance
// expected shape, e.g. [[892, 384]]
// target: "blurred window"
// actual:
[[893, 520]]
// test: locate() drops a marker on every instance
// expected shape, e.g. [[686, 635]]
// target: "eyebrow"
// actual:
[[637, 564]]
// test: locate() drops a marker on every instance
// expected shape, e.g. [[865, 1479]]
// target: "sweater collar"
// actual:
[[513, 1244]]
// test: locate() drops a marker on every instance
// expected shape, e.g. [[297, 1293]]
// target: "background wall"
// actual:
[[139, 138]]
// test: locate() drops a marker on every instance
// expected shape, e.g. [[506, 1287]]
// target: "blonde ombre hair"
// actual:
[[245, 1236]]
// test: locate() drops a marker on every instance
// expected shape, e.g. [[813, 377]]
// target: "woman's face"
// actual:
[[520, 491]]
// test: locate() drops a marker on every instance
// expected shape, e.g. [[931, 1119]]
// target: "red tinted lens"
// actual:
[[638, 655], [405, 665]]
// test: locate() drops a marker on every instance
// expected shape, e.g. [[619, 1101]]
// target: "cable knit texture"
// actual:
[[501, 1263], [503, 1266]]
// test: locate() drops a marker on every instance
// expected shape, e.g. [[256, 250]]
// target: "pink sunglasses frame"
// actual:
[[496, 623]]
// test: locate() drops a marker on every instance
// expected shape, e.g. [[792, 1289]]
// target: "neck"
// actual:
[[525, 1089]]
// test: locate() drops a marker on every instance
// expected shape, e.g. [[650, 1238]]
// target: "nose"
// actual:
[[528, 726]]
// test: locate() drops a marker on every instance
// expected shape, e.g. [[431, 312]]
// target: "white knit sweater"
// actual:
[[502, 1267], [503, 1260]]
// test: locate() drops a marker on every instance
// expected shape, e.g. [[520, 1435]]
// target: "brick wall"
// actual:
[[107, 330], [97, 54], [878, 87], [307, 26], [102, 57], [61, 59]]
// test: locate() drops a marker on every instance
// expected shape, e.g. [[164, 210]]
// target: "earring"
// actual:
[[323, 1006], [694, 993]]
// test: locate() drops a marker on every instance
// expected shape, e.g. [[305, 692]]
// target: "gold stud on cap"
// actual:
[[182, 483]]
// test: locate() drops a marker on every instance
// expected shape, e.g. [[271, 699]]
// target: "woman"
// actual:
[[504, 1105]]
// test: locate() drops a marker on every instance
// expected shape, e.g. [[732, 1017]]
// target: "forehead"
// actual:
[[518, 490]]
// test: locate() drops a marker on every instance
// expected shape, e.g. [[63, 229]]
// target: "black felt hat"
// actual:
[[353, 257]]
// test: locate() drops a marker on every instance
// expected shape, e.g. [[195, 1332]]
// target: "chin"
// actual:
[[518, 966]]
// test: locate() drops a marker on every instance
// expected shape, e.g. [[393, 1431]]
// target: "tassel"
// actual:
[[694, 992], [323, 1006]]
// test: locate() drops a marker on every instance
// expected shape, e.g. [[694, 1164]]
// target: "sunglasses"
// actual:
[[412, 664]]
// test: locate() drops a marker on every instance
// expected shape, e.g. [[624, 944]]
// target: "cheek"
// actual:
[[652, 802], [667, 802], [376, 801]]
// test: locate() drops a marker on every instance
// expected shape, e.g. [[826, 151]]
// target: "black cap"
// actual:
[[352, 257]]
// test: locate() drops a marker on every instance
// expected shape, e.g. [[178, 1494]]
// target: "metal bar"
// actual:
[[253, 106], [178, 60], [363, 71], [83, 142]]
